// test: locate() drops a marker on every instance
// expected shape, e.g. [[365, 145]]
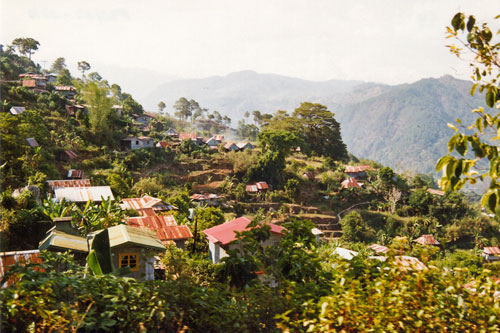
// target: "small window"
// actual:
[[136, 142], [129, 259]]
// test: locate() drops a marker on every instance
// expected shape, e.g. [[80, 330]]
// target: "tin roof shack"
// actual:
[[75, 174], [245, 145], [36, 82], [17, 110], [220, 237], [491, 253], [231, 146], [8, 259], [137, 142], [80, 195], [135, 248], [67, 92], [63, 237], [204, 198], [257, 187], [166, 228], [427, 240], [53, 184], [142, 205], [351, 183], [358, 171], [142, 119]]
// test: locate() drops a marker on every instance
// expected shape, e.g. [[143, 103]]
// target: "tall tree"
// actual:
[[83, 66], [58, 65], [161, 106], [26, 46], [95, 95], [321, 131], [257, 117]]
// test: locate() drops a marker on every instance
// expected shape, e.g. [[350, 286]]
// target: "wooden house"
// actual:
[[231, 146], [209, 199]]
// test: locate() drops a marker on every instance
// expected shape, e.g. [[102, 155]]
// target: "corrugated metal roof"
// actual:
[[244, 145], [492, 250], [16, 110], [60, 240], [146, 202], [185, 136], [165, 226], [74, 173], [345, 253], [356, 169], [83, 194], [436, 192], [71, 154], [121, 235], [262, 186], [230, 145], [65, 88], [427, 240], [225, 233], [201, 197], [350, 183], [53, 184], [32, 142], [407, 262], [251, 188], [10, 258], [379, 248]]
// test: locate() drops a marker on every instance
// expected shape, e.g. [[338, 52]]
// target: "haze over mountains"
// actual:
[[403, 126]]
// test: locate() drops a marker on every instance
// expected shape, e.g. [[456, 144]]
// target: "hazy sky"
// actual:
[[384, 41]]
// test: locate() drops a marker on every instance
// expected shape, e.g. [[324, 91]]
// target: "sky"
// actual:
[[386, 41]]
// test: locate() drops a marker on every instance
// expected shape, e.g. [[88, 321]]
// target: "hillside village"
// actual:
[[258, 226]]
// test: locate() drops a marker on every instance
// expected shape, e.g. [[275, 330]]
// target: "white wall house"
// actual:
[[138, 142]]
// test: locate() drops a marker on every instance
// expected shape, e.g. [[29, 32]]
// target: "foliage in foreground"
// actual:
[[362, 294]]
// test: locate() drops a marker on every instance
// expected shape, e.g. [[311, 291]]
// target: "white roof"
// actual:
[[17, 110], [83, 194], [345, 253]]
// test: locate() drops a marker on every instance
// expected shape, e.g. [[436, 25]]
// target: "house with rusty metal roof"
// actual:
[[358, 171], [231, 146], [209, 199], [491, 253], [146, 202], [81, 195], [245, 145], [8, 259], [426, 240], [257, 187], [221, 236], [53, 184], [75, 174], [166, 228], [351, 183]]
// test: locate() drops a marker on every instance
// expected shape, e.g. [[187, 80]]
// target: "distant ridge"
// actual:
[[403, 126]]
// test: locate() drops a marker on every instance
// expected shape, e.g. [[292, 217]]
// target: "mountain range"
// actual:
[[403, 126]]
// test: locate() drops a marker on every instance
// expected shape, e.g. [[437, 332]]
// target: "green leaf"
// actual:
[[473, 89], [471, 22], [458, 21], [452, 126], [490, 98], [442, 162], [93, 263]]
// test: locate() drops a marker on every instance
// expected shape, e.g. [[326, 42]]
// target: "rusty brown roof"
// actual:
[[53, 184], [427, 240]]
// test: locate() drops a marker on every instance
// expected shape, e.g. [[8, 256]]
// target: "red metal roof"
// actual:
[[225, 233], [427, 240], [492, 250], [379, 248], [251, 188], [10, 258], [262, 186], [350, 183], [68, 183], [165, 226]]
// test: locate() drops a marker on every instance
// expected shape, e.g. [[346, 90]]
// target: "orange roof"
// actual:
[[165, 226], [427, 240], [146, 202], [350, 183], [492, 250], [68, 183], [10, 258]]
